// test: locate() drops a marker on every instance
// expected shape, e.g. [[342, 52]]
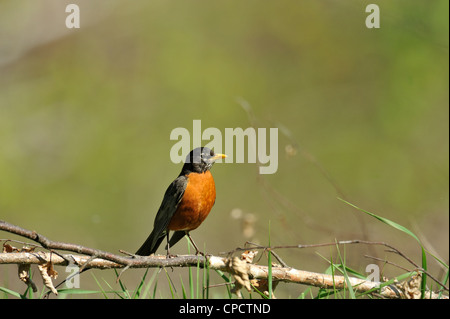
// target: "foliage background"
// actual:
[[86, 114]]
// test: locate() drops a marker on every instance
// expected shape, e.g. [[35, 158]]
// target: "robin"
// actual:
[[186, 203]]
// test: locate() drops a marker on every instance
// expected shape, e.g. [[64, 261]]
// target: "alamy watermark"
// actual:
[[262, 144], [374, 273], [73, 18], [73, 279], [373, 19]]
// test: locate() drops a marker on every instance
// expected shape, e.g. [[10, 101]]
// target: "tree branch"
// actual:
[[242, 268]]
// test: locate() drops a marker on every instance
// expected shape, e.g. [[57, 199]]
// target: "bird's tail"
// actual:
[[150, 245]]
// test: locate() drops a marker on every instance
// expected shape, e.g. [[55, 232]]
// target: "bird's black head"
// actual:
[[200, 160]]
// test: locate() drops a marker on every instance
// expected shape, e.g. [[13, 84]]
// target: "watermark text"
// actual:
[[262, 147]]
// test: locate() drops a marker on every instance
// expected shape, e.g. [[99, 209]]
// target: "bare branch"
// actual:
[[87, 258]]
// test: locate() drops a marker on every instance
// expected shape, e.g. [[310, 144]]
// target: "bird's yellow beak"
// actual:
[[218, 156]]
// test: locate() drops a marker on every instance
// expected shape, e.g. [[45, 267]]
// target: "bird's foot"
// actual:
[[198, 252]]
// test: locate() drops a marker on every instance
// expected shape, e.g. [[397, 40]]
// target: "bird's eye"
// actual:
[[211, 153]]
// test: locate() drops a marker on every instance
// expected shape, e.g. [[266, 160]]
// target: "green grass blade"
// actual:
[[304, 293], [191, 283], [445, 282], [137, 292], [384, 220], [77, 291], [122, 286], [423, 284], [345, 274], [351, 271], [259, 292], [100, 286], [205, 291], [269, 275], [329, 271], [12, 292], [332, 270], [198, 279], [227, 280], [183, 291], [154, 290], [172, 293], [117, 293], [191, 279], [149, 284]]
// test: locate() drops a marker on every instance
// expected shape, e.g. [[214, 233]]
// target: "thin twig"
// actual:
[[387, 262]]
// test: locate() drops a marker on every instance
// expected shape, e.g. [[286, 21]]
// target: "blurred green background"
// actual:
[[86, 114]]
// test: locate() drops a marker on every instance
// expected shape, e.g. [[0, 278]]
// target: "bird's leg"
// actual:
[[168, 248], [198, 252]]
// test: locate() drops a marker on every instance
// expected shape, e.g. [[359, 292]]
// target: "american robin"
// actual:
[[186, 203]]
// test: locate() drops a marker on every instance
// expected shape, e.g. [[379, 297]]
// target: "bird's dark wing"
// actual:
[[169, 205]]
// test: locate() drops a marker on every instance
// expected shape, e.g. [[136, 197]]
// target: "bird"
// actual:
[[186, 202]]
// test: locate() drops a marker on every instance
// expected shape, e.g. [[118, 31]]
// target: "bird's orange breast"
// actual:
[[198, 199]]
